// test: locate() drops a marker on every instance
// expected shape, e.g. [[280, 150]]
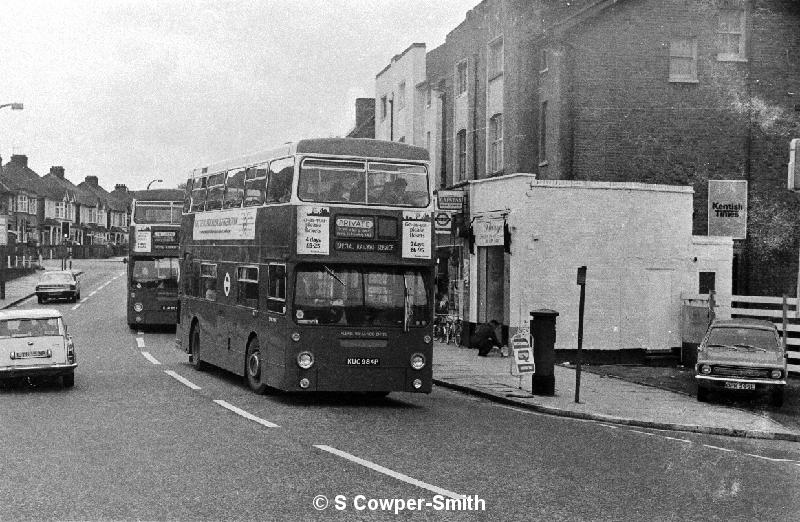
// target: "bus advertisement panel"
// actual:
[[310, 268], [153, 264]]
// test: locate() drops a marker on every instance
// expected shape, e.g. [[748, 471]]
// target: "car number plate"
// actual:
[[31, 355], [363, 361], [740, 385]]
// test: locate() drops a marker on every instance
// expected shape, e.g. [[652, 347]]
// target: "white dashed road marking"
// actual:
[[245, 414], [150, 358], [387, 471], [182, 380], [718, 448], [139, 342]]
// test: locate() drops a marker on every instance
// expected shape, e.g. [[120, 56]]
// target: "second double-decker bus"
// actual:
[[310, 267], [153, 261]]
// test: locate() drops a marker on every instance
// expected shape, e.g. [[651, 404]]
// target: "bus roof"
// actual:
[[158, 195], [357, 147]]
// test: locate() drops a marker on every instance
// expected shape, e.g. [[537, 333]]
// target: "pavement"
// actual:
[[602, 398], [605, 399]]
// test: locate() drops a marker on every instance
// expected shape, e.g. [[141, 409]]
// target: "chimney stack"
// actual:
[[92, 180], [120, 187], [57, 171], [20, 159]]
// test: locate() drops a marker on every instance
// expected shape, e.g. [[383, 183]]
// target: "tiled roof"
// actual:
[[18, 177], [81, 196], [104, 196]]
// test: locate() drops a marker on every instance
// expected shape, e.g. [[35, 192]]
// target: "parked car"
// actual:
[[35, 343], [741, 355], [58, 284]]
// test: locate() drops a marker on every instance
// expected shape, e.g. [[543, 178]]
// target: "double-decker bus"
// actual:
[[310, 267], [153, 262]]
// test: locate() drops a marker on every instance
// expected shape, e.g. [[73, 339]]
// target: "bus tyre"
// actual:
[[194, 349], [252, 367]]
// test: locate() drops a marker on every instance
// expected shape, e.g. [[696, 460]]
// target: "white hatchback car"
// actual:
[[35, 343]]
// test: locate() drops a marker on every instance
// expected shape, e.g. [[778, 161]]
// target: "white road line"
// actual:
[[769, 458], [643, 432], [182, 380], [76, 306], [718, 448], [386, 471], [520, 410], [679, 440], [139, 342], [609, 426], [150, 358], [246, 415]]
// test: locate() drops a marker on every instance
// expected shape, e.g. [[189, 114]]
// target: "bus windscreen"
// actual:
[[155, 273], [357, 296], [157, 213]]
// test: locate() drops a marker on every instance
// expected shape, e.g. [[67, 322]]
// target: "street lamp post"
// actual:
[[154, 181], [16, 106]]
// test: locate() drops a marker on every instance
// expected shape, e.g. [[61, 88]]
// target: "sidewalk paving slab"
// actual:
[[601, 398]]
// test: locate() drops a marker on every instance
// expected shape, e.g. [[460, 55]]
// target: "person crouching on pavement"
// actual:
[[484, 338]]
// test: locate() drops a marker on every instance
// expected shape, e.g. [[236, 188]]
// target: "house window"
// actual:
[[22, 203], [543, 65], [496, 143], [543, 133], [731, 34], [428, 141], [247, 285], [383, 107], [401, 96], [60, 210], [276, 289], [496, 58], [32, 207], [683, 60], [461, 142], [428, 95], [461, 78]]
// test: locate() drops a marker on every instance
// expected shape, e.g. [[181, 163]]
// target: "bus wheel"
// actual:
[[194, 349], [253, 365]]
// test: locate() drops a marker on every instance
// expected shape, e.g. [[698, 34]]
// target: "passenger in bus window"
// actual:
[[280, 187], [336, 192], [393, 192], [211, 290], [358, 191]]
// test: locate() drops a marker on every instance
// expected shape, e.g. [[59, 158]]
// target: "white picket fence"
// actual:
[[771, 309]]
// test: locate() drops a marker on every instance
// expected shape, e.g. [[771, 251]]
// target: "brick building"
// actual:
[[655, 91]]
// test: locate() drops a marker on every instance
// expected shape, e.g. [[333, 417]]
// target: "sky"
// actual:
[[140, 90]]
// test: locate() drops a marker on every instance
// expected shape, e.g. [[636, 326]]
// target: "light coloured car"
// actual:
[[35, 343], [741, 355], [58, 284]]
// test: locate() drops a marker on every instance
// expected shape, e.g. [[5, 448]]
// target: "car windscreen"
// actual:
[[360, 296], [159, 272], [57, 278], [744, 337], [30, 327]]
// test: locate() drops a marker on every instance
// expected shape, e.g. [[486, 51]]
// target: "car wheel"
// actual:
[[253, 365], [776, 398], [68, 380], [194, 349], [78, 297], [702, 394]]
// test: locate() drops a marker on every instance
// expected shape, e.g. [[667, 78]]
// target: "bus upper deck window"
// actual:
[[187, 196], [279, 189], [234, 189], [216, 189], [255, 186]]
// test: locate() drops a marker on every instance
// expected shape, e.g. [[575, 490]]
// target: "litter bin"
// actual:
[[543, 332]]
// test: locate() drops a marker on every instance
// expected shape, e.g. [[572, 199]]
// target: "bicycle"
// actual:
[[454, 330]]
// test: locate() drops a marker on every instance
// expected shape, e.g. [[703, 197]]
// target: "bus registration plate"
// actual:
[[363, 361]]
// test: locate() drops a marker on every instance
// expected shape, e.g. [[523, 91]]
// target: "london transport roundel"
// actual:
[[226, 285]]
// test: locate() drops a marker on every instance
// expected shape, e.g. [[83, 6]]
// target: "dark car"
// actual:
[[58, 284], [741, 355]]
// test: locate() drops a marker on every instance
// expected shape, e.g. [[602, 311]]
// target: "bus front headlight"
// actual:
[[418, 361], [305, 360], [137, 307]]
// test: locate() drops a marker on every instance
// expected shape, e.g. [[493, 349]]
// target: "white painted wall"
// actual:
[[408, 67], [635, 239]]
